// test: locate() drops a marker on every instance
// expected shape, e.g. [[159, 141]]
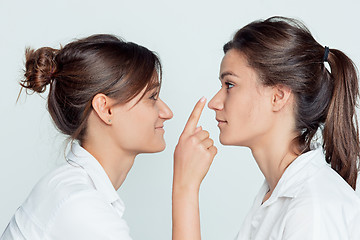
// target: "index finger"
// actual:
[[195, 116]]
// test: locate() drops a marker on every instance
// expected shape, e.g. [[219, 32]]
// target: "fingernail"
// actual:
[[203, 99]]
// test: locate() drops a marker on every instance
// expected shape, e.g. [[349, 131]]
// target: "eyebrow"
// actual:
[[224, 74]]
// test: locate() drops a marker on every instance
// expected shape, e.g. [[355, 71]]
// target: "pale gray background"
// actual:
[[188, 35]]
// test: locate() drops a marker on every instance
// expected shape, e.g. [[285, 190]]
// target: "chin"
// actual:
[[227, 141], [155, 149], [223, 140], [161, 148]]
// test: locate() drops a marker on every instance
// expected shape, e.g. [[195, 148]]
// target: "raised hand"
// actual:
[[192, 159], [194, 152]]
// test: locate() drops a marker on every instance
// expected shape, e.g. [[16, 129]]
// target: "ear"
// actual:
[[102, 105], [282, 95]]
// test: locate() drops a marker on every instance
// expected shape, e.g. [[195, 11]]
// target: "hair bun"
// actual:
[[39, 68]]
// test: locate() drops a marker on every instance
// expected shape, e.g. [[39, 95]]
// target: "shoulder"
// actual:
[[326, 193], [327, 189], [86, 205], [325, 206], [86, 215], [62, 181], [66, 205], [54, 189]]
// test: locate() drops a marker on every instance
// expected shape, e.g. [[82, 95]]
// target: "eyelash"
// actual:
[[154, 96], [229, 85]]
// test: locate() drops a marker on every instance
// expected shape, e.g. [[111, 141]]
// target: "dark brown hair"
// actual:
[[283, 52], [83, 68]]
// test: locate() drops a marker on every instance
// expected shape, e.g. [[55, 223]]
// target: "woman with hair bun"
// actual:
[[104, 94], [298, 118]]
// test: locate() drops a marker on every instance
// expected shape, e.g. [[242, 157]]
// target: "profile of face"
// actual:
[[243, 105], [138, 126]]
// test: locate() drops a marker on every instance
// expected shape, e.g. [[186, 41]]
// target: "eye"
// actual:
[[154, 96], [229, 85]]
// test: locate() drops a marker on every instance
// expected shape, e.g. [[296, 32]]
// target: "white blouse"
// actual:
[[76, 201], [310, 201]]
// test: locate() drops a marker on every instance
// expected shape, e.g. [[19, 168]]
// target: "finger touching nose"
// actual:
[[193, 120]]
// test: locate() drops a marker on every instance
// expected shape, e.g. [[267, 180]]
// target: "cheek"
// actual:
[[132, 128], [127, 132], [240, 108], [143, 124], [144, 136], [247, 119], [262, 112]]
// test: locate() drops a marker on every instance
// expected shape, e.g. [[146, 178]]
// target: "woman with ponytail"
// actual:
[[103, 94], [298, 118]]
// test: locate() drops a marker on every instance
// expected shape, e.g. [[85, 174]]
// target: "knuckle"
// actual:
[[206, 133], [193, 140], [215, 150]]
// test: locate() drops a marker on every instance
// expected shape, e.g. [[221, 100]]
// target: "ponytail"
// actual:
[[341, 134]]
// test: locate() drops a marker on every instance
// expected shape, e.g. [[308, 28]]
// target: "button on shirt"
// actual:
[[75, 201], [310, 201]]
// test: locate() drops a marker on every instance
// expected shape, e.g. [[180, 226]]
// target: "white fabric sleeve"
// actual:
[[87, 216]]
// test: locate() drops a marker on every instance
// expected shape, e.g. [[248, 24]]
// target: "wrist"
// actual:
[[185, 189]]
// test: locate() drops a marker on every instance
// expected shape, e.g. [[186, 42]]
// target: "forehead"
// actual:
[[234, 63], [234, 59]]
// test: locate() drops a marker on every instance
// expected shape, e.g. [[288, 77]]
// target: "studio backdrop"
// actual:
[[188, 36]]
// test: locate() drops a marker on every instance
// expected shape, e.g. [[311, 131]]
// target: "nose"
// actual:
[[216, 103], [164, 111]]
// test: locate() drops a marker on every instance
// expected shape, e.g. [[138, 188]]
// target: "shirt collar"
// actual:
[[293, 178], [96, 172]]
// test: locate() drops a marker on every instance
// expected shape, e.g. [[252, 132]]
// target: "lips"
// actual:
[[159, 127], [220, 120]]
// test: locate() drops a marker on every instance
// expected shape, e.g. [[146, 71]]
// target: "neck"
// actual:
[[273, 154], [115, 161]]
